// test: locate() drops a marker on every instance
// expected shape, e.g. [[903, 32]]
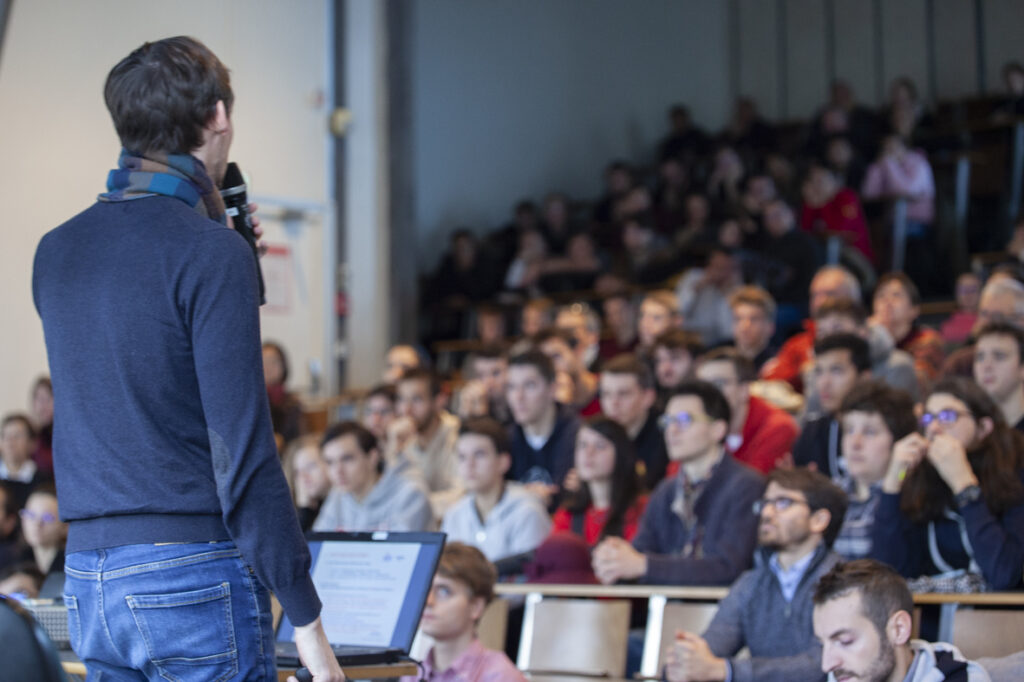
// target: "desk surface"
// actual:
[[73, 666], [702, 593]]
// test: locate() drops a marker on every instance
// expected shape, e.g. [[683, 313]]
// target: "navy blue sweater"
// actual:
[[163, 431], [725, 523]]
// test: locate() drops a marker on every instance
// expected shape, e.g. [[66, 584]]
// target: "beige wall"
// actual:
[[57, 142]]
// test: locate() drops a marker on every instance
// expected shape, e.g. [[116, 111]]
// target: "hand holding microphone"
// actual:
[[237, 205]]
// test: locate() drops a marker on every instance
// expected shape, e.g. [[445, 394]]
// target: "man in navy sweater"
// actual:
[[697, 529], [179, 516]]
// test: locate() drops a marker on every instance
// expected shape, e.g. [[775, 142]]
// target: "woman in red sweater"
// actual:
[[607, 500]]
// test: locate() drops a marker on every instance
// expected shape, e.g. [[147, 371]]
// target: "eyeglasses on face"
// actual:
[[780, 503], [944, 417], [44, 518], [681, 419]]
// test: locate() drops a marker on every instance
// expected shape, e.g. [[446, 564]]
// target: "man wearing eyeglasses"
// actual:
[[769, 609], [697, 529]]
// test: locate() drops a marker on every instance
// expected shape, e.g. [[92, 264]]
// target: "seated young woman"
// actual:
[[953, 497], [607, 500]]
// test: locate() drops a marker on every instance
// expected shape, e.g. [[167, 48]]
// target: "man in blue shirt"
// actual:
[[179, 515]]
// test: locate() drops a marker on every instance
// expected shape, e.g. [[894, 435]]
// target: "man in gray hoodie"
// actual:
[[862, 617], [768, 609], [364, 495]]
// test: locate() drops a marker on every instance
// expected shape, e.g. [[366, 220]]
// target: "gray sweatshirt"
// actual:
[[517, 524], [398, 502]]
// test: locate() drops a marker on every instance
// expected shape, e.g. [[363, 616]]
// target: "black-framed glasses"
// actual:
[[780, 503], [944, 417], [681, 419]]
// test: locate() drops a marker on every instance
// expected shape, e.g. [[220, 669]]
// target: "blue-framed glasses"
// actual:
[[681, 419], [44, 518], [944, 417]]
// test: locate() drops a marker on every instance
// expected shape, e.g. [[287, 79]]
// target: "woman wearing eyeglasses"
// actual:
[[608, 500], [952, 504]]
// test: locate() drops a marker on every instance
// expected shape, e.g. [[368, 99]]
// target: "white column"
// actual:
[[367, 189]]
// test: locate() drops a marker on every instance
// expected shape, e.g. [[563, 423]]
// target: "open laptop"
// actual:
[[373, 587]]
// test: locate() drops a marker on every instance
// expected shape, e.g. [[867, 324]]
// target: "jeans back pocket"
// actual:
[[188, 635], [74, 621]]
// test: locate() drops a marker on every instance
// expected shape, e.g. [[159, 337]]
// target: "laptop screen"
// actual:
[[373, 586]]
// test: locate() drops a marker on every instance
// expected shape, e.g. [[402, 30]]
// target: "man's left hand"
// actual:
[[615, 559], [690, 660], [261, 246]]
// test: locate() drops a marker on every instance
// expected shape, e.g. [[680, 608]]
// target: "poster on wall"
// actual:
[[278, 274]]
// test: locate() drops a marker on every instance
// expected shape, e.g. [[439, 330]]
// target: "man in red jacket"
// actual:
[[760, 434]]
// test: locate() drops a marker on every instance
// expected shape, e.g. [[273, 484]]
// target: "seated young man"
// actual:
[[463, 587], [839, 361], [674, 353], [753, 324], [897, 306], [364, 495], [424, 433], [627, 396], [697, 528], [873, 417], [863, 617], [544, 434], [760, 434], [768, 610], [999, 368], [496, 516]]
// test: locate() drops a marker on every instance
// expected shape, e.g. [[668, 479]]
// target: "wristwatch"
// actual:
[[967, 495]]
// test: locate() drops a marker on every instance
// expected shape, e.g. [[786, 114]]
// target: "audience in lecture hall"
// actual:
[[681, 336]]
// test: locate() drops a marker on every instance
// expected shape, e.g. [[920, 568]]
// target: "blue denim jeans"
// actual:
[[178, 612]]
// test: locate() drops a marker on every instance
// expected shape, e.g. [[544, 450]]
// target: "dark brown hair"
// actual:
[[995, 460], [895, 407], [163, 94], [820, 493], [627, 363], [624, 480], [882, 590]]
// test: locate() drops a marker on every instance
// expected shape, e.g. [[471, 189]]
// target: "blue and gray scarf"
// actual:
[[181, 176]]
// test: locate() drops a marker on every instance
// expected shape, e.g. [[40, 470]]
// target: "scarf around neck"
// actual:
[[181, 176]]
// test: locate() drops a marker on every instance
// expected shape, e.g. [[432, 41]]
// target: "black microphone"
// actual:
[[237, 205], [303, 675]]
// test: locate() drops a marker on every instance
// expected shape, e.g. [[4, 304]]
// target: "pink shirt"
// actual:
[[476, 664], [910, 177]]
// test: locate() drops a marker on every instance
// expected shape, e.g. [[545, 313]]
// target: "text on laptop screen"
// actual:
[[372, 592]]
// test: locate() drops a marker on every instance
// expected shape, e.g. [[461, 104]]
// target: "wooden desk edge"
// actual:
[[705, 593], [354, 672]]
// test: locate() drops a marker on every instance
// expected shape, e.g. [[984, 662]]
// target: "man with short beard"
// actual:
[[768, 609], [862, 617]]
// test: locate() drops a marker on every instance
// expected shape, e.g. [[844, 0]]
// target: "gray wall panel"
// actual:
[[905, 43], [1003, 24], [806, 57], [955, 60], [759, 55], [854, 36]]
